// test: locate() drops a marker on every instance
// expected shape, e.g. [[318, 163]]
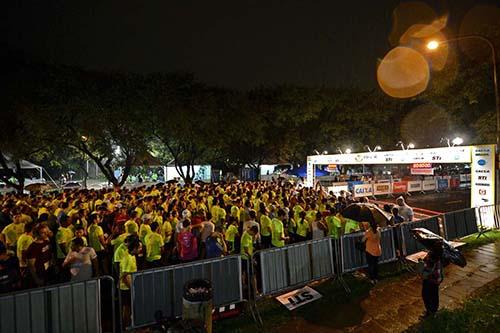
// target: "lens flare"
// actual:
[[403, 73]]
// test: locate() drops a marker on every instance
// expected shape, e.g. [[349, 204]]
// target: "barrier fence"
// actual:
[[353, 258], [460, 223], [159, 291], [409, 245], [489, 216], [293, 265], [70, 307]]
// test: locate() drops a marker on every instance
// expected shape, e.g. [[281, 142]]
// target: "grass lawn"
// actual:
[[322, 311], [479, 314], [488, 237]]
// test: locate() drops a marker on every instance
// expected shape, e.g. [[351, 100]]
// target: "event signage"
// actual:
[[363, 190], [382, 188], [399, 187], [422, 171], [483, 175], [428, 185], [299, 297], [442, 184], [414, 186], [336, 188]]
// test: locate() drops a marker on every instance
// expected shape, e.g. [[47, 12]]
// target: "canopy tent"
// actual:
[[25, 165]]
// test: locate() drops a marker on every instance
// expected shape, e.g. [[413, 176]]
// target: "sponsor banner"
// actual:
[[310, 172], [331, 167], [415, 186], [455, 182], [337, 188], [352, 183], [399, 187], [299, 297], [428, 185], [363, 190], [421, 165], [422, 171], [483, 175], [442, 184], [382, 188], [460, 154]]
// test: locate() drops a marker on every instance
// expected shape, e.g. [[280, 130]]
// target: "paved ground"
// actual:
[[393, 307]]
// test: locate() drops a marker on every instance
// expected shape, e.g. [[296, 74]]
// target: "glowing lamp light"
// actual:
[[411, 146], [348, 151], [432, 45], [457, 141]]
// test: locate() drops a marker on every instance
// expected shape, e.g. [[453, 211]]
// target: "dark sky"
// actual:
[[237, 43]]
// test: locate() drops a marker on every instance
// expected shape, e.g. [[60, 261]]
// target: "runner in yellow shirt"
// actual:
[[154, 246]]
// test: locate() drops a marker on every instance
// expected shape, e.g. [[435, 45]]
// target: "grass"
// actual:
[[333, 295], [473, 241], [479, 314]]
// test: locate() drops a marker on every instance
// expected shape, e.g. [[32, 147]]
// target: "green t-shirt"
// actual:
[[63, 236], [153, 242], [277, 233], [265, 225], [246, 242], [23, 242], [128, 264], [231, 233], [119, 252], [302, 227], [144, 230], [95, 231], [131, 227], [350, 226], [334, 226]]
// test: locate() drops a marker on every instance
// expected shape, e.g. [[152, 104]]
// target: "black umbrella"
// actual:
[[366, 212], [430, 240]]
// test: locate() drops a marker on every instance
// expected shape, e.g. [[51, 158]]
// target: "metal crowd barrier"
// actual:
[[294, 265], [410, 244], [460, 223], [69, 307], [159, 291], [353, 258], [488, 216]]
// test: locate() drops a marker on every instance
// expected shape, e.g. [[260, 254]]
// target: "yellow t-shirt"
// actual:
[[166, 231], [12, 233], [246, 242], [144, 230], [153, 242], [278, 233], [128, 265], [95, 232], [23, 242], [265, 224], [131, 227]]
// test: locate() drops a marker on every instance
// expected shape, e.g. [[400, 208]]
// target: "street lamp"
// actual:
[[457, 141], [434, 44], [348, 151], [402, 145]]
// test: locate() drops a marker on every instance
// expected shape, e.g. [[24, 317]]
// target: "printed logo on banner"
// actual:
[[363, 190], [299, 297], [481, 162]]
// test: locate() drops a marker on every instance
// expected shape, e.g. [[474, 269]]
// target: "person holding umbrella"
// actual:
[[432, 276], [373, 250]]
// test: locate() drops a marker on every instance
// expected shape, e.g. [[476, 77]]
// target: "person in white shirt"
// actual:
[[405, 211], [81, 260]]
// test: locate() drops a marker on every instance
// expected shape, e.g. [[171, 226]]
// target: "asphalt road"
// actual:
[[441, 202]]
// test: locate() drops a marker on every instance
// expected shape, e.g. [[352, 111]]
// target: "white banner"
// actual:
[[483, 175], [382, 188], [337, 188], [299, 297], [429, 185], [415, 186], [363, 190]]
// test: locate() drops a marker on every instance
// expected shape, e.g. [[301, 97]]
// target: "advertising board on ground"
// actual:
[[415, 186], [483, 175], [399, 187], [381, 188], [363, 190], [336, 188], [429, 185], [442, 184]]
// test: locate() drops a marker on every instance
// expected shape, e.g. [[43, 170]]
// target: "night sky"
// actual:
[[237, 43]]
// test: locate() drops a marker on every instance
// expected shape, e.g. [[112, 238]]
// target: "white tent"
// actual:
[[25, 165]]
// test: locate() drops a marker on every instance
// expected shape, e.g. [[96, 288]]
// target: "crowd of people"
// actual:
[[79, 234]]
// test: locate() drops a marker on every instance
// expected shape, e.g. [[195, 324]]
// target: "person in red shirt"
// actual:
[[39, 256], [187, 243]]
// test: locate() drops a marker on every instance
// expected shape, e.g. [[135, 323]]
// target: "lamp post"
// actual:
[[434, 44]]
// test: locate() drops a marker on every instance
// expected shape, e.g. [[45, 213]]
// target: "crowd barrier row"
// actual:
[[70, 307], [396, 187], [79, 306], [160, 290]]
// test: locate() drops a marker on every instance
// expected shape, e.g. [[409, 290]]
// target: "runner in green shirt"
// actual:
[[278, 231]]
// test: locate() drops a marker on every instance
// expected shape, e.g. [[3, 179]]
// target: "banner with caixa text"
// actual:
[[482, 175]]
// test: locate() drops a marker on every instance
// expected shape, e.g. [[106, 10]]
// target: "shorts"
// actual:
[[125, 297]]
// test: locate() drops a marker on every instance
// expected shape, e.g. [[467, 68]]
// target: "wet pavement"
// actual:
[[394, 306]]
